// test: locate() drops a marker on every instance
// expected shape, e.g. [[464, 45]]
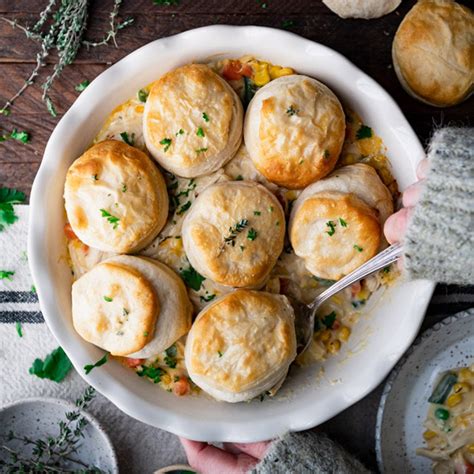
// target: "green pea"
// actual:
[[441, 414]]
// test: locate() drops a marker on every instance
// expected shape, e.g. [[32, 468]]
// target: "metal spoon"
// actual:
[[306, 314]]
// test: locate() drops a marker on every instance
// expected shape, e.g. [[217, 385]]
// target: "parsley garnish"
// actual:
[[54, 367], [252, 234], [8, 197], [256, 213], [239, 178], [94, 177], [207, 298], [23, 137], [329, 319], [242, 248], [170, 357], [205, 117], [201, 150], [326, 154], [359, 249], [128, 140], [153, 373], [89, 367], [125, 312], [364, 132], [219, 353], [124, 188], [6, 275], [82, 85], [142, 95], [386, 269], [236, 229], [166, 142], [110, 218], [291, 111], [200, 132], [19, 329], [192, 278], [271, 208], [332, 228], [179, 132], [108, 299], [184, 208], [145, 333], [342, 222]]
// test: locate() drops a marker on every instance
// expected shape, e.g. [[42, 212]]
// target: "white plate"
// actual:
[[306, 399], [404, 403]]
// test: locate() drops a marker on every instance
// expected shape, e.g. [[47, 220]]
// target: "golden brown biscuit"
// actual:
[[433, 52], [241, 345], [294, 130], [336, 224], [115, 308], [192, 122], [115, 197], [234, 233]]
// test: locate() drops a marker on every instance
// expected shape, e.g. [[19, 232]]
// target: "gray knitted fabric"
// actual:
[[439, 244], [308, 452]]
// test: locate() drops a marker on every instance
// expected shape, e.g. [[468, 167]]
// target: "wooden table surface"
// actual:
[[366, 43]]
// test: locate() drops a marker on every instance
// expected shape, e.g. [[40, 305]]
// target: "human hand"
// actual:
[[236, 458], [396, 225]]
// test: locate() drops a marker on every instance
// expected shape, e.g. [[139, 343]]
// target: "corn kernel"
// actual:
[[461, 387], [428, 434], [454, 400], [261, 75], [325, 335], [166, 379], [470, 448], [278, 71], [465, 375], [344, 333], [334, 346]]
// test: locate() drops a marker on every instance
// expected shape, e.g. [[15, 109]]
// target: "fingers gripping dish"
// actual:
[[234, 233], [294, 131], [241, 345], [131, 306], [192, 122], [115, 198], [336, 223]]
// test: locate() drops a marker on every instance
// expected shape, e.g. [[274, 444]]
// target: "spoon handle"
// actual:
[[381, 260]]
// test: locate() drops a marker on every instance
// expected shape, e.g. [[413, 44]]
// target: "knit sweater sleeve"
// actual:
[[439, 243], [308, 452]]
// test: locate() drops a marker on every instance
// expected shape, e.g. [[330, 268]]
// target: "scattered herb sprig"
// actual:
[[110, 218], [55, 366], [101, 361], [234, 231]]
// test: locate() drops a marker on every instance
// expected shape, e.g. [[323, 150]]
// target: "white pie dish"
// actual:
[[306, 399]]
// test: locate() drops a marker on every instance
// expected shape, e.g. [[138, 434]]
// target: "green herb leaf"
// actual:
[[179, 132], [110, 218], [286, 24], [271, 208], [166, 142], [50, 107], [6, 275], [205, 117], [184, 208], [252, 234], [234, 231], [342, 222], [364, 132], [200, 132], [89, 367], [326, 154], [329, 319], [108, 299], [192, 278], [128, 140], [249, 91], [292, 111], [5, 112], [239, 178], [23, 136], [124, 188], [8, 197], [219, 353], [170, 357], [332, 228], [82, 85], [19, 329], [201, 150], [359, 249], [153, 373], [142, 95], [207, 298], [54, 367]]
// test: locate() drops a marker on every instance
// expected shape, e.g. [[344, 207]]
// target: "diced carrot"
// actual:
[[181, 387], [132, 363], [68, 232], [234, 70]]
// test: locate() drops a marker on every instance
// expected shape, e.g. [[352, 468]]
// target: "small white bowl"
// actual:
[[307, 399]]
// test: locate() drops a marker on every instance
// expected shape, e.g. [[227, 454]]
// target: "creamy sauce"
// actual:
[[289, 275]]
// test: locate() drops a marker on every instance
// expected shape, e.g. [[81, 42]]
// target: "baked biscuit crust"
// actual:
[[115, 198], [192, 121], [241, 345], [294, 131], [234, 233]]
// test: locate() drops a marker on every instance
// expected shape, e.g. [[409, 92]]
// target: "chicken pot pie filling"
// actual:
[[289, 276]]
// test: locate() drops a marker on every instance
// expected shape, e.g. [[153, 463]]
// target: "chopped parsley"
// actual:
[[192, 278], [166, 142], [205, 117], [8, 197], [110, 218], [359, 249], [179, 132], [124, 188], [82, 85], [271, 208], [153, 373], [89, 367], [207, 298], [332, 228], [277, 223], [200, 132], [239, 178], [170, 357], [256, 213], [145, 333], [125, 312], [235, 230], [242, 248], [329, 319], [386, 269], [342, 222], [108, 299], [5, 112], [142, 95], [201, 150], [252, 234], [184, 208], [19, 330], [55, 366], [23, 137], [326, 154], [364, 132], [128, 140], [219, 353], [6, 275], [95, 177], [291, 111]]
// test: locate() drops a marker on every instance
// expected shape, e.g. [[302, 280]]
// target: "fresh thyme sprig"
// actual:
[[49, 455], [235, 230], [61, 29]]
